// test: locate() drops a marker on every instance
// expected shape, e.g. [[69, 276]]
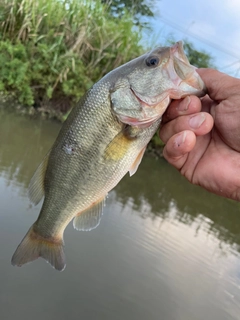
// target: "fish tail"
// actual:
[[34, 246]]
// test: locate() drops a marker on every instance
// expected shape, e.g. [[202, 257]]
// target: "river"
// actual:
[[164, 250]]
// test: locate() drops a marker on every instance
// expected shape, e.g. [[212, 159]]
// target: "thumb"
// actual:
[[220, 86]]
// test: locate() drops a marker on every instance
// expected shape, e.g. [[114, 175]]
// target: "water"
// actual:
[[164, 249]]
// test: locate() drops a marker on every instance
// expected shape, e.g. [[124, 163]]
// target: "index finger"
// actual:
[[185, 106]]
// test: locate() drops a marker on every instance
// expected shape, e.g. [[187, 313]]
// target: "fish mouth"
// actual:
[[187, 77]]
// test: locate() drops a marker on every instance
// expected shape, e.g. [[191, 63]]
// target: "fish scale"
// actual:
[[104, 137]]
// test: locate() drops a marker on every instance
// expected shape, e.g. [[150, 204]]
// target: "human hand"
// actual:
[[202, 136]]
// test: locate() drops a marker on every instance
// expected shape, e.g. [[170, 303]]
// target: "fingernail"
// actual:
[[183, 105], [180, 138], [196, 121]]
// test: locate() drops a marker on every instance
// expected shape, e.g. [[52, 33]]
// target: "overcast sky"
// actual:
[[211, 25]]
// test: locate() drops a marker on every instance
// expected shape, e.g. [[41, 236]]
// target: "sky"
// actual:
[[212, 26]]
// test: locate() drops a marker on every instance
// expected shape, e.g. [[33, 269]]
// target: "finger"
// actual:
[[220, 86], [208, 105], [178, 147], [200, 123], [188, 105]]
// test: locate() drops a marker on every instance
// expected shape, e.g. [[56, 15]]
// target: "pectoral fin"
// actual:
[[137, 162], [36, 186], [121, 143], [117, 148], [90, 218]]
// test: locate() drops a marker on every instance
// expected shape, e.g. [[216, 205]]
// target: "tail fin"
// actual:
[[34, 246]]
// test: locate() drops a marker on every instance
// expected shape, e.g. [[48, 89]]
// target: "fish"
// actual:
[[104, 137]]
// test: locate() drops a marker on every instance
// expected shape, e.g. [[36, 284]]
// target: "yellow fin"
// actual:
[[34, 246], [36, 185], [90, 218], [117, 148], [137, 162]]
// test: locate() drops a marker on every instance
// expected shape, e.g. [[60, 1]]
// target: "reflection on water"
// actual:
[[159, 190], [164, 249], [22, 144]]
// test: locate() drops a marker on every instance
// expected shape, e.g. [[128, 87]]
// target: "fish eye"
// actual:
[[152, 61]]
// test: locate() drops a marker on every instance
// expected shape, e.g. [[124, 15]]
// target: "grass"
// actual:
[[52, 51]]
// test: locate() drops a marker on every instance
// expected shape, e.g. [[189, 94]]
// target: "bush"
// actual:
[[52, 51], [14, 71]]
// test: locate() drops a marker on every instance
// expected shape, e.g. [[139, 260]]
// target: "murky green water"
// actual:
[[164, 249]]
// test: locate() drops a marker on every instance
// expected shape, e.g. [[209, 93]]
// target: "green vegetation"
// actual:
[[52, 51], [138, 9], [200, 59]]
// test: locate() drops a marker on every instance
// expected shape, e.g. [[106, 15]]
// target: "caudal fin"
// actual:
[[34, 246]]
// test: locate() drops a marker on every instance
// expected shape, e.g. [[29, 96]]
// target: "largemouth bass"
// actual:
[[104, 137]]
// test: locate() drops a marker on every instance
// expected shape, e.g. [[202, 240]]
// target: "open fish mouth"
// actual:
[[185, 72], [177, 51]]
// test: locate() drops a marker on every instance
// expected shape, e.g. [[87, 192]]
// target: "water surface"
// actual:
[[164, 249]]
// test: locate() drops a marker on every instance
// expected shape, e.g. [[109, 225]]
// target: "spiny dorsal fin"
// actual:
[[137, 162], [36, 185], [90, 218]]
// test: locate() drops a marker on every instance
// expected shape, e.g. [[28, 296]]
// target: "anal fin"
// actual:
[[90, 218]]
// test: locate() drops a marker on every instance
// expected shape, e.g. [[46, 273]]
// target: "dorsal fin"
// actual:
[[90, 218], [137, 162], [36, 185]]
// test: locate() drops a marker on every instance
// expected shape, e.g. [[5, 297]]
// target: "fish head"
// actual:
[[144, 87]]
